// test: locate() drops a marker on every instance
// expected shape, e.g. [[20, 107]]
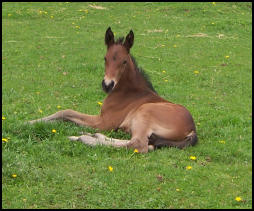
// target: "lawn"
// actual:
[[196, 54]]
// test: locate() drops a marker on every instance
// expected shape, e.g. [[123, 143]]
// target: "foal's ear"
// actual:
[[109, 37], [128, 43]]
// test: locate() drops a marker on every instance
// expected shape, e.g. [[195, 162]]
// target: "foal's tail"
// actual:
[[190, 140]]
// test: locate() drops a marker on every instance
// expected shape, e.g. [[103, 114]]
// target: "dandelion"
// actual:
[[196, 72], [198, 123], [77, 27], [110, 168], [193, 157], [5, 140], [9, 15], [222, 142], [174, 46], [163, 71], [51, 16], [162, 45], [37, 93], [226, 57], [58, 106], [166, 80], [214, 3], [3, 118], [40, 111], [53, 131], [212, 23], [99, 103], [14, 175], [238, 198], [135, 150], [177, 189], [188, 167], [178, 35]]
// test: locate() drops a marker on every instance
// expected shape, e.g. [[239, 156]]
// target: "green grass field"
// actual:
[[197, 54]]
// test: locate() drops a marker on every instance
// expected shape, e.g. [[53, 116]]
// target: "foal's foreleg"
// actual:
[[99, 139], [73, 116]]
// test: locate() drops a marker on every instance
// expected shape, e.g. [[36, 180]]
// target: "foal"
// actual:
[[133, 106]]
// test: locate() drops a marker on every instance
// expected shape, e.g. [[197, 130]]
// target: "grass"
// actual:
[[52, 55]]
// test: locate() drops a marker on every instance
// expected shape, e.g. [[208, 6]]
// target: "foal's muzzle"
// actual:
[[107, 87]]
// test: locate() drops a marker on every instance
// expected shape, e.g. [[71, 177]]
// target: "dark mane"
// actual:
[[143, 74]]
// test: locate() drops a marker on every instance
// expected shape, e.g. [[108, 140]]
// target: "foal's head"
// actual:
[[117, 58]]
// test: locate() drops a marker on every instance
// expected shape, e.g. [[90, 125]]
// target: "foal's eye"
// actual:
[[124, 62]]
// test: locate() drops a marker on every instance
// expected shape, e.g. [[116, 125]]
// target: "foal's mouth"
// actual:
[[107, 87]]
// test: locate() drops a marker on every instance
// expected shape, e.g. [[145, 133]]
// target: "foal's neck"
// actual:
[[132, 79]]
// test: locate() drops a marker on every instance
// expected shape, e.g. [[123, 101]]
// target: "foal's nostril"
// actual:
[[107, 87]]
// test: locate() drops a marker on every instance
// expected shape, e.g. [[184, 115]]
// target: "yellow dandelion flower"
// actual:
[[174, 46], [177, 189], [222, 142], [193, 157], [110, 168], [51, 16], [37, 93], [136, 150], [196, 72], [163, 71], [162, 45], [77, 27], [99, 103], [40, 110], [226, 57], [214, 3], [188, 167], [198, 123], [14, 175], [238, 198], [212, 23], [9, 15], [178, 35], [166, 80], [58, 106], [53, 131], [4, 139], [3, 118]]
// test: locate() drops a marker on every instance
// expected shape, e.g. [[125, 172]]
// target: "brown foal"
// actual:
[[133, 106]]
